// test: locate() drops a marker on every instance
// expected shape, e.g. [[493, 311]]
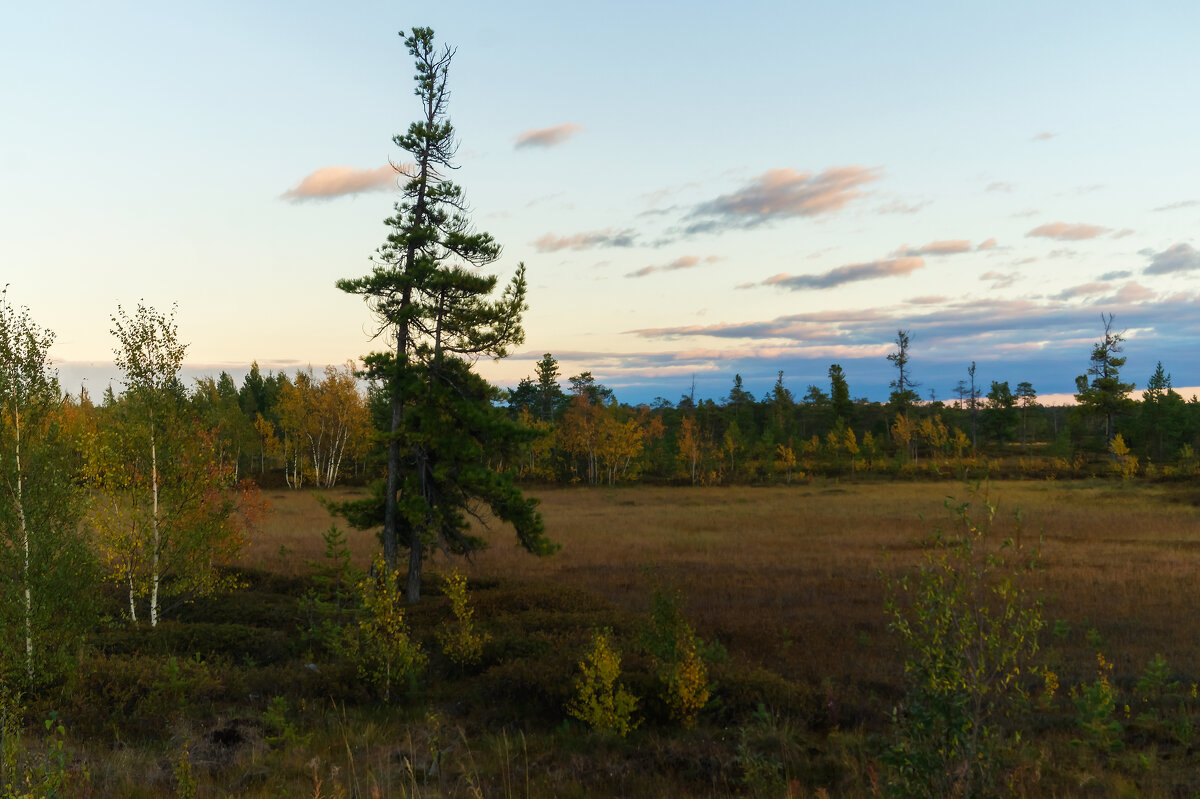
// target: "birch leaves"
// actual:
[[43, 557], [171, 511]]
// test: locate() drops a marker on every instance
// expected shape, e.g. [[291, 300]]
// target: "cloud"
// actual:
[[1176, 258], [1067, 232], [999, 185], [337, 181], [685, 262], [782, 194], [1180, 204], [1132, 292], [999, 280], [1118, 275], [986, 245], [586, 241], [851, 273], [1123, 232], [940, 247], [901, 207], [1083, 290], [547, 137], [1043, 136]]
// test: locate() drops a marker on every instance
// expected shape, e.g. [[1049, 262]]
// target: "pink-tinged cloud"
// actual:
[[852, 273], [1044, 136], [586, 241], [547, 137], [1083, 290], [783, 194], [1133, 292], [941, 247], [988, 244], [1123, 232], [1064, 231], [1181, 257], [338, 181], [685, 262]]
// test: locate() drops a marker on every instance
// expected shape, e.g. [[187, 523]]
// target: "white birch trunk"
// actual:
[[24, 531], [132, 603], [154, 524]]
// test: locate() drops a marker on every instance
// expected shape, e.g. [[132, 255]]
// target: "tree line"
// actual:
[[584, 434]]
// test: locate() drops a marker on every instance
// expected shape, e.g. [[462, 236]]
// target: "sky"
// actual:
[[696, 190]]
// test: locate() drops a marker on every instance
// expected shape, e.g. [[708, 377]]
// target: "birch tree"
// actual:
[[150, 356], [173, 510], [43, 558]]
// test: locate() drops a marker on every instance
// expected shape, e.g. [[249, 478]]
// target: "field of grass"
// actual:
[[790, 576], [789, 581]]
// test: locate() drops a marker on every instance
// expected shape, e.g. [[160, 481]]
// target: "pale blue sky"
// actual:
[[776, 186]]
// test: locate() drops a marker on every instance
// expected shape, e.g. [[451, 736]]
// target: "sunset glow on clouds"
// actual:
[[782, 193], [547, 137], [992, 195], [337, 181]]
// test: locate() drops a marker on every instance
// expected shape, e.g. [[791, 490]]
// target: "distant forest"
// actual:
[[319, 430]]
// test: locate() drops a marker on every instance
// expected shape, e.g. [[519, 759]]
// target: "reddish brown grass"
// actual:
[[790, 576]]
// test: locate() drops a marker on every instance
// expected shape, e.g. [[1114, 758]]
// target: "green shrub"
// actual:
[[239, 642], [385, 652], [969, 631], [676, 653], [524, 688], [134, 695]]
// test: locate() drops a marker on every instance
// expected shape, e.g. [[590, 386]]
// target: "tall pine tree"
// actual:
[[1105, 395], [437, 311]]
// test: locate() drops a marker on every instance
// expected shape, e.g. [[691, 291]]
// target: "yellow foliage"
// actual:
[[1126, 463], [850, 442], [785, 459], [686, 684], [599, 700], [385, 651], [902, 431], [618, 444], [461, 642]]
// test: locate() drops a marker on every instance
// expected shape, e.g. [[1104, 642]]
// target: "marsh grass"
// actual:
[[788, 581]]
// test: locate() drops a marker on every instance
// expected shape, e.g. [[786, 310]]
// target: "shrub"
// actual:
[[135, 694], [599, 701], [460, 641], [238, 642], [383, 649], [675, 651], [969, 631]]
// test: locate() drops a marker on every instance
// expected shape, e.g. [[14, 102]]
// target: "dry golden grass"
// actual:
[[291, 536], [790, 576]]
